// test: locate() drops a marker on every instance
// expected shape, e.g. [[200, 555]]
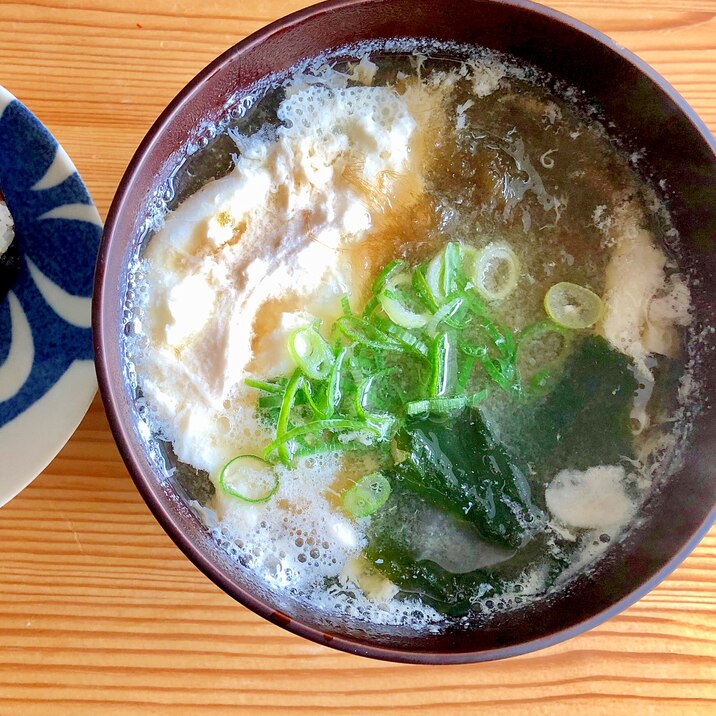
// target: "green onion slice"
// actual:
[[311, 352], [494, 271], [249, 478], [442, 359], [573, 306], [370, 307], [464, 373], [282, 426], [474, 303], [333, 391], [446, 405], [419, 312], [501, 371], [266, 386], [477, 398], [392, 269], [383, 422], [444, 272], [434, 278], [367, 496], [364, 332], [316, 405], [409, 340], [270, 401], [446, 311], [452, 267], [317, 428], [395, 308], [436, 405], [502, 374], [423, 290]]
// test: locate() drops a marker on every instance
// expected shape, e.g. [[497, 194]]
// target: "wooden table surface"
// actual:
[[99, 611]]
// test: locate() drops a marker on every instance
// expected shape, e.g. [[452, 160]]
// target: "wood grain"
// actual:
[[101, 614]]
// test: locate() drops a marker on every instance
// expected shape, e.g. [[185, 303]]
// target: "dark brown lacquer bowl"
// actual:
[[649, 115]]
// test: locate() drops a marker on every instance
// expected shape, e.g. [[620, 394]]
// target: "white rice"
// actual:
[[7, 232]]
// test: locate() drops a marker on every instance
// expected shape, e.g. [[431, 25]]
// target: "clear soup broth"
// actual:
[[412, 334]]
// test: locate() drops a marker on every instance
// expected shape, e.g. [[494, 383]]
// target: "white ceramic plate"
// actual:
[[47, 378]]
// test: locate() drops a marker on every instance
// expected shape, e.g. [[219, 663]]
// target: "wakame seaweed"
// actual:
[[585, 419], [456, 465], [395, 537], [449, 593], [399, 536]]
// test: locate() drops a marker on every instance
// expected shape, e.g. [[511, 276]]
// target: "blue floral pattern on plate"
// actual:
[[46, 317]]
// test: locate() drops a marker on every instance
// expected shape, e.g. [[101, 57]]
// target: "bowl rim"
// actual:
[[112, 391]]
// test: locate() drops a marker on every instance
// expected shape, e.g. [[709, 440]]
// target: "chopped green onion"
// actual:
[[333, 391], [324, 446], [501, 374], [446, 311], [328, 399], [464, 373], [441, 359], [409, 340], [307, 391], [502, 338], [422, 289], [317, 427], [270, 401], [470, 256], [494, 271], [367, 496], [446, 405], [289, 398], [249, 478], [506, 343], [371, 306], [362, 331], [434, 278], [311, 352], [383, 422], [452, 263], [478, 397], [500, 371], [443, 273], [265, 385], [459, 318], [436, 405], [473, 350], [475, 304], [392, 269], [573, 306], [361, 398], [394, 307]]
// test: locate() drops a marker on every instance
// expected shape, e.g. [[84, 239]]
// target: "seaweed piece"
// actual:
[[458, 467], [584, 421], [195, 483], [395, 539], [402, 533]]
